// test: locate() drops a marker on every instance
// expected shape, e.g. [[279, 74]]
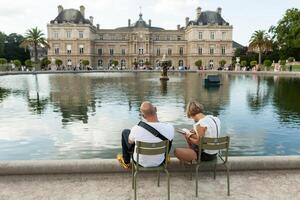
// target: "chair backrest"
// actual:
[[221, 143], [145, 148]]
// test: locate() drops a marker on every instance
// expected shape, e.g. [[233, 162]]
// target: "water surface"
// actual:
[[72, 116]]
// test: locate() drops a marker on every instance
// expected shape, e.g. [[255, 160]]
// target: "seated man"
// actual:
[[139, 133]]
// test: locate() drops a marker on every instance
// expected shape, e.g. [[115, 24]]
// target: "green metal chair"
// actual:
[[220, 144], [144, 148]]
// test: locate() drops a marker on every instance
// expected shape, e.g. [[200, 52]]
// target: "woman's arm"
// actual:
[[200, 132]]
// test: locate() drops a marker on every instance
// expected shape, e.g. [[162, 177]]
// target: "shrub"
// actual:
[[253, 63], [198, 63], [268, 64], [222, 63], [244, 63], [115, 63], [58, 62], [85, 62], [17, 63], [3, 61]]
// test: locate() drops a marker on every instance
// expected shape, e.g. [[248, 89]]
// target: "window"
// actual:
[[157, 37], [181, 51], [211, 50], [80, 34], [123, 51], [212, 35], [200, 36], [168, 37], [123, 37], [178, 37], [69, 49], [100, 37], [100, 63], [69, 62], [180, 63], [111, 51], [223, 50], [200, 51], [123, 63], [158, 51], [169, 51], [147, 47], [81, 49], [141, 51], [100, 52], [135, 48], [68, 34], [55, 35], [223, 35], [56, 50]]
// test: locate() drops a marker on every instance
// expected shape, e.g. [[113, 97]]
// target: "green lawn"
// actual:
[[296, 67]]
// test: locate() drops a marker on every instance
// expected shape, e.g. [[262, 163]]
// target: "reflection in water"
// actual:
[[82, 115]]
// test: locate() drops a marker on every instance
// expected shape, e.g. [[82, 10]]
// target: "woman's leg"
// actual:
[[185, 154]]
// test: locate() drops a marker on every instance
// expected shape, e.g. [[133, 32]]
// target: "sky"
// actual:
[[246, 16]]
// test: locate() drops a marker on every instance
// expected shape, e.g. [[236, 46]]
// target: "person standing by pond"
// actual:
[[205, 126], [140, 133]]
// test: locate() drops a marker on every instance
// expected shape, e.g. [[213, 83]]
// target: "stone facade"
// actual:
[[74, 38]]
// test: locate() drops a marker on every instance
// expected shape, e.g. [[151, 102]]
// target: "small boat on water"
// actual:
[[212, 81]]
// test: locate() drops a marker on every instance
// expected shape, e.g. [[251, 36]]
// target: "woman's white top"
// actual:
[[213, 127]]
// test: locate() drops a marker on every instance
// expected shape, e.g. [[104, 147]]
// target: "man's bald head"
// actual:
[[147, 109]]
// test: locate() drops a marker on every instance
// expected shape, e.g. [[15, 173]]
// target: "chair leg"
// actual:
[[158, 178], [191, 171], [132, 170], [135, 175], [228, 182], [215, 170], [168, 180], [197, 169]]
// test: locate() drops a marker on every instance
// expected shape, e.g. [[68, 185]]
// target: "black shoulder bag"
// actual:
[[155, 132]]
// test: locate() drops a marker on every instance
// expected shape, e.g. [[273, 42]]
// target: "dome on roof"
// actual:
[[141, 23], [71, 16]]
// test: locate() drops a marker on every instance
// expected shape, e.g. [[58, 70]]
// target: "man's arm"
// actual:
[[131, 137]]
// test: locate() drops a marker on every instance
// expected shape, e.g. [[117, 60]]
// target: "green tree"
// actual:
[[12, 49], [28, 64], [2, 44], [198, 63], [244, 63], [287, 34], [58, 62], [268, 64], [222, 63], [34, 38], [260, 42], [17, 63]]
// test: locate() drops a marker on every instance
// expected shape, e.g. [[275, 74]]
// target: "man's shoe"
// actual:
[[122, 162]]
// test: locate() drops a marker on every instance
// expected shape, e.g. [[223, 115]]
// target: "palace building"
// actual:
[[73, 38]]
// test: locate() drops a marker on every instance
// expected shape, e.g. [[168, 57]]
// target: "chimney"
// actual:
[[198, 12], [149, 22], [219, 10], [60, 9], [178, 27], [98, 26], [187, 20], [129, 22], [82, 10], [92, 19]]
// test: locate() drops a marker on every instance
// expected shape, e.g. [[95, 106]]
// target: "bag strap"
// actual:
[[152, 130], [216, 126]]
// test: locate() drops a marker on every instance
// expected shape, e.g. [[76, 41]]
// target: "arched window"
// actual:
[[100, 63], [123, 63], [180, 63], [141, 62]]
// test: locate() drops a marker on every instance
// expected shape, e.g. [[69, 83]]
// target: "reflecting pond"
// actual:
[[71, 116]]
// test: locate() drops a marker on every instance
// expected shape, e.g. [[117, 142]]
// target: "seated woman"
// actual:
[[205, 126]]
